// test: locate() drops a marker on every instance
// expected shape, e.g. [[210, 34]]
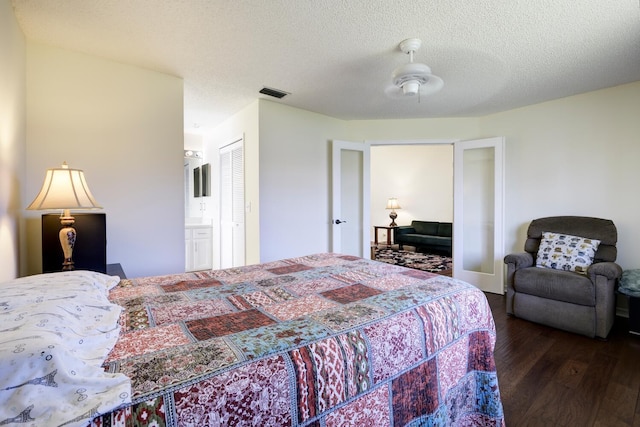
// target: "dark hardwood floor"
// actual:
[[549, 377]]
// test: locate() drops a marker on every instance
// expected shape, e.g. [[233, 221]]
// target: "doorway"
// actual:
[[419, 176], [476, 183]]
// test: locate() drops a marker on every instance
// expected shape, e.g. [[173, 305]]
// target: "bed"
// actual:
[[318, 340]]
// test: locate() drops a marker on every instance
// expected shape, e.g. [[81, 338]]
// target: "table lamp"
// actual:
[[392, 204], [66, 189]]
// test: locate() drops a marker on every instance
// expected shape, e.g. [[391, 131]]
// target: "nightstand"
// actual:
[[629, 285], [116, 270]]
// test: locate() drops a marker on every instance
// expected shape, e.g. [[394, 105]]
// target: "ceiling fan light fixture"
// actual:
[[412, 71], [412, 76], [412, 87]]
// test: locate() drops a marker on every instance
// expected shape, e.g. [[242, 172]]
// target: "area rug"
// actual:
[[439, 264]]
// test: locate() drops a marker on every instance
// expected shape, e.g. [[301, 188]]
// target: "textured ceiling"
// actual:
[[336, 57]]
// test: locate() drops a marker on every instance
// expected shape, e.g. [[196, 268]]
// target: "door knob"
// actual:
[[337, 221]]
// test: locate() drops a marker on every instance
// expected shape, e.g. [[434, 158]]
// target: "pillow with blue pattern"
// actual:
[[566, 252]]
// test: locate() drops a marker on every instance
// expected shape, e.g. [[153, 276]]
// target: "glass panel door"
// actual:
[[478, 241]]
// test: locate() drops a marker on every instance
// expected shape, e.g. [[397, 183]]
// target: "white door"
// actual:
[[350, 198], [232, 228], [478, 210]]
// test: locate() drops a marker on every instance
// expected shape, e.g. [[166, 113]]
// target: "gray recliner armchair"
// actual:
[[568, 300]]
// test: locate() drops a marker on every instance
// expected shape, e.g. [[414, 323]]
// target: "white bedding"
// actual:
[[55, 332]]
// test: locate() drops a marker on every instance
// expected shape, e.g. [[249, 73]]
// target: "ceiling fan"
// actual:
[[413, 78]]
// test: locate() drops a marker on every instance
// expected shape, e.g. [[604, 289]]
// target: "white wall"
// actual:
[[193, 141], [12, 142], [420, 176], [592, 137], [287, 171], [414, 129], [295, 153], [123, 126], [574, 156]]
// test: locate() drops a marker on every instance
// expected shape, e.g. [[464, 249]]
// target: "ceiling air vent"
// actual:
[[273, 92]]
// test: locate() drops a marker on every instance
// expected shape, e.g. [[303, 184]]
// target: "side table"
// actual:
[[630, 286], [116, 270], [634, 315], [390, 233]]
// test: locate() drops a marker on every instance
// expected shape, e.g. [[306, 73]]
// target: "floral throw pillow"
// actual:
[[566, 252]]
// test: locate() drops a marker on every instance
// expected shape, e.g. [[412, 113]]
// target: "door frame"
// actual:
[[499, 187], [365, 147]]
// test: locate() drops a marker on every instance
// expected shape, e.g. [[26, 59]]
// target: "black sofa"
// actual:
[[426, 236]]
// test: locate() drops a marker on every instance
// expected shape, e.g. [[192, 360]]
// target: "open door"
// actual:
[[350, 197], [478, 210]]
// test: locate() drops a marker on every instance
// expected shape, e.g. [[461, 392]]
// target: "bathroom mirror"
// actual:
[[193, 184], [205, 180]]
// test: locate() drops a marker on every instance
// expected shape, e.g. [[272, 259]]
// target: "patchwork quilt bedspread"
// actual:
[[319, 340]]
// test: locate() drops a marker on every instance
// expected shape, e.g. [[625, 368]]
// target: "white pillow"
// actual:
[[100, 281], [566, 252]]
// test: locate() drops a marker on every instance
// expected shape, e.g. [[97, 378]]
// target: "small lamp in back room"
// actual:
[[392, 204], [64, 188]]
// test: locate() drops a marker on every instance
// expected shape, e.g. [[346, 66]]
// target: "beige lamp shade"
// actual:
[[392, 203], [64, 188]]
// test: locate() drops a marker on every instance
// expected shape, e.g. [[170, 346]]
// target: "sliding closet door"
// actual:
[[232, 227]]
